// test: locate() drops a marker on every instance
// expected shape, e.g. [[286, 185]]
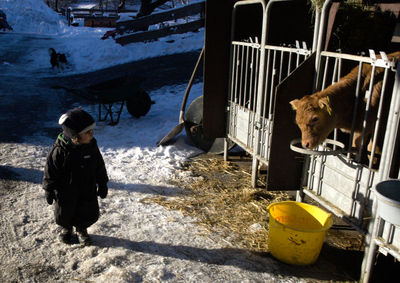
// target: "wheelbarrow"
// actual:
[[112, 95]]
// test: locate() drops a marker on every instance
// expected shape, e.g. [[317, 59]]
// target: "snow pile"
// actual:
[[32, 16]]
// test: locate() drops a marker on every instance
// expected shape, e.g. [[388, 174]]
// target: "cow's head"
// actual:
[[314, 118]]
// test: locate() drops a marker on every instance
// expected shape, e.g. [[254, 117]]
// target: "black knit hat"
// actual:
[[76, 121]]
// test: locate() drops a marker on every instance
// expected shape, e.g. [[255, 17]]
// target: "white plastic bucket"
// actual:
[[388, 196]]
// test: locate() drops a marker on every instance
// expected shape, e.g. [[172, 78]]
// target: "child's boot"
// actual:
[[66, 235], [83, 236]]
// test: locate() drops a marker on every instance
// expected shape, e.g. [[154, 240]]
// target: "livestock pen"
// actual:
[[265, 77], [343, 179]]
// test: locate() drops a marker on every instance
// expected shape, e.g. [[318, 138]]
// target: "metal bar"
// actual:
[[289, 64], [357, 94], [280, 67], [298, 50], [367, 107], [325, 74], [300, 193], [233, 76], [378, 119], [257, 76], [335, 133], [226, 149], [241, 75], [356, 190], [335, 70], [245, 77], [391, 129], [371, 176], [321, 174], [252, 66], [272, 85], [267, 79], [370, 248], [349, 57], [334, 80], [244, 43], [269, 135], [321, 32], [316, 28], [236, 75], [312, 171], [266, 124]]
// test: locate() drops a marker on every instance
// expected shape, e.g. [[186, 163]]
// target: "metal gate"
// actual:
[[256, 69], [251, 111], [343, 180], [347, 178]]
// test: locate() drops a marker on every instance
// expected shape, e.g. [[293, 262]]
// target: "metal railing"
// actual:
[[256, 69]]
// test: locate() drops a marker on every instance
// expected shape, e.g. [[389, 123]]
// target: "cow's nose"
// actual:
[[306, 145]]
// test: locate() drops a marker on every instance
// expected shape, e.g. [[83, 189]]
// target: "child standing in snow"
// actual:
[[75, 174]]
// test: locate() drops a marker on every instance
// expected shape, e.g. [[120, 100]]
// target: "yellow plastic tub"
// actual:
[[297, 231]]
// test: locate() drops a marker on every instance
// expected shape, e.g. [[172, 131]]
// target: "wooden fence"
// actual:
[[137, 28]]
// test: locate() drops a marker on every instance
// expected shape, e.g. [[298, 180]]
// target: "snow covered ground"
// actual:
[[133, 241], [83, 47]]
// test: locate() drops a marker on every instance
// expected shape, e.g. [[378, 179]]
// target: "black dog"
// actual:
[[57, 59]]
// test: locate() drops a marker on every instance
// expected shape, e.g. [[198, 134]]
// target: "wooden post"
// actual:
[[69, 11]]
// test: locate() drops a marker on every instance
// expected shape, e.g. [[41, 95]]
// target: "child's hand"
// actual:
[[102, 191], [50, 196]]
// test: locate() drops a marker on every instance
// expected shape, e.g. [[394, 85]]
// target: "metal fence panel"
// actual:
[[244, 104], [347, 179]]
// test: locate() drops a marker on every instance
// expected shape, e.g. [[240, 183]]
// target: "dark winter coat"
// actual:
[[71, 175]]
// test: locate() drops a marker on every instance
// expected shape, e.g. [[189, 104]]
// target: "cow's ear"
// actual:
[[324, 102], [294, 103]]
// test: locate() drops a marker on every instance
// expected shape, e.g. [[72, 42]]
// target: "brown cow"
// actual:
[[319, 113]]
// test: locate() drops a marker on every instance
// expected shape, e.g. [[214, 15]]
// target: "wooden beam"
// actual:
[[174, 14], [216, 67], [153, 34]]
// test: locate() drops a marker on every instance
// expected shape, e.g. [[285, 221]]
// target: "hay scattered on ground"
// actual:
[[221, 199]]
